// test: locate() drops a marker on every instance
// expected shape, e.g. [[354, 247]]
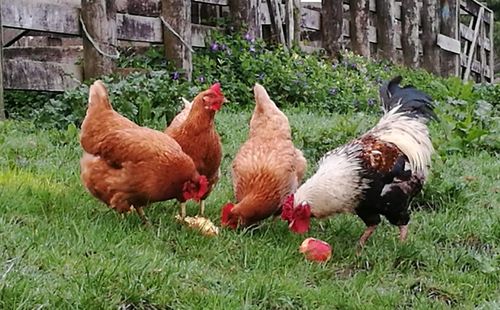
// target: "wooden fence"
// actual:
[[464, 46]]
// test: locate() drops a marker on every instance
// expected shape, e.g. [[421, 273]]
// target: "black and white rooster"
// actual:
[[376, 174]]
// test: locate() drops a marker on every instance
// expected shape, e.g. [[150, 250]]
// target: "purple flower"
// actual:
[[175, 75], [252, 49], [333, 91], [223, 47], [248, 37], [201, 79], [371, 102], [261, 76], [214, 47]]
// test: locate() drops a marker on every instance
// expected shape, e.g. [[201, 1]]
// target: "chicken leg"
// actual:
[[202, 207], [182, 212], [144, 219], [364, 237], [403, 232]]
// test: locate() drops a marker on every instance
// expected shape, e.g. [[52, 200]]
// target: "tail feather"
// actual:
[[98, 96], [414, 102]]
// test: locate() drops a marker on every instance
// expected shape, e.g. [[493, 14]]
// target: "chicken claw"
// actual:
[[144, 219]]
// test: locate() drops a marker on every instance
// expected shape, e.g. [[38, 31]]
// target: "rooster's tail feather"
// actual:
[[411, 101]]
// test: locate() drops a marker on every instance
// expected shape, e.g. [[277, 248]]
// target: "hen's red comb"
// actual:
[[216, 88], [287, 208]]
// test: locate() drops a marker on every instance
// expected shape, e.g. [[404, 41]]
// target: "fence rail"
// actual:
[[464, 47]]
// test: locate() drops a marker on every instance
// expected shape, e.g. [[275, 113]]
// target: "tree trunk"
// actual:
[[331, 26], [449, 27], [386, 46], [409, 38], [359, 27], [99, 19], [245, 16], [177, 41], [430, 31], [2, 106]]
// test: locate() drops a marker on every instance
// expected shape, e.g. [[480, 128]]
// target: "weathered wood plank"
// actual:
[[475, 65], [409, 38], [139, 7], [139, 28], [332, 20], [277, 20], [385, 29], [217, 2], [32, 75], [448, 39], [41, 16], [472, 47], [199, 33], [69, 55], [491, 51], [297, 16], [448, 44], [176, 15], [429, 36], [359, 31], [11, 35], [473, 7], [468, 34]]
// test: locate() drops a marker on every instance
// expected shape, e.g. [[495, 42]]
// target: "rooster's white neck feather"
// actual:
[[340, 168]]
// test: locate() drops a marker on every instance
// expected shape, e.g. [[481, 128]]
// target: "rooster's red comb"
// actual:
[[287, 208]]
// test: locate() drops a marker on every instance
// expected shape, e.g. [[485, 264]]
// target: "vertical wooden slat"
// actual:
[[331, 26], [177, 40], [360, 42], [430, 30], [409, 38], [492, 49], [470, 56], [276, 21], [99, 19], [386, 46], [2, 106], [449, 15], [297, 21], [289, 22], [245, 15]]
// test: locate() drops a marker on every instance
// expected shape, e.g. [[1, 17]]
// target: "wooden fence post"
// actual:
[[98, 18], [245, 14], [276, 22], [2, 106], [297, 17], [386, 47], [176, 20], [409, 38], [449, 27], [360, 42], [331, 26], [430, 32]]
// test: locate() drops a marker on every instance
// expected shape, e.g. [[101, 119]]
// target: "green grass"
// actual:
[[61, 248]]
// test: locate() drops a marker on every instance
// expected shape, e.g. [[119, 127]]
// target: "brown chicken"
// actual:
[[127, 166], [194, 130], [266, 168]]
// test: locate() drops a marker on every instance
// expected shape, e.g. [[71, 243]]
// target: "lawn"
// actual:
[[61, 248]]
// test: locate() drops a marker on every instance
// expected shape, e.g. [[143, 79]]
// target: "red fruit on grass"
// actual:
[[316, 250]]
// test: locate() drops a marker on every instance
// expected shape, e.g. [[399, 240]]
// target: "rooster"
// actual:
[[266, 168], [376, 174], [128, 166], [194, 129]]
